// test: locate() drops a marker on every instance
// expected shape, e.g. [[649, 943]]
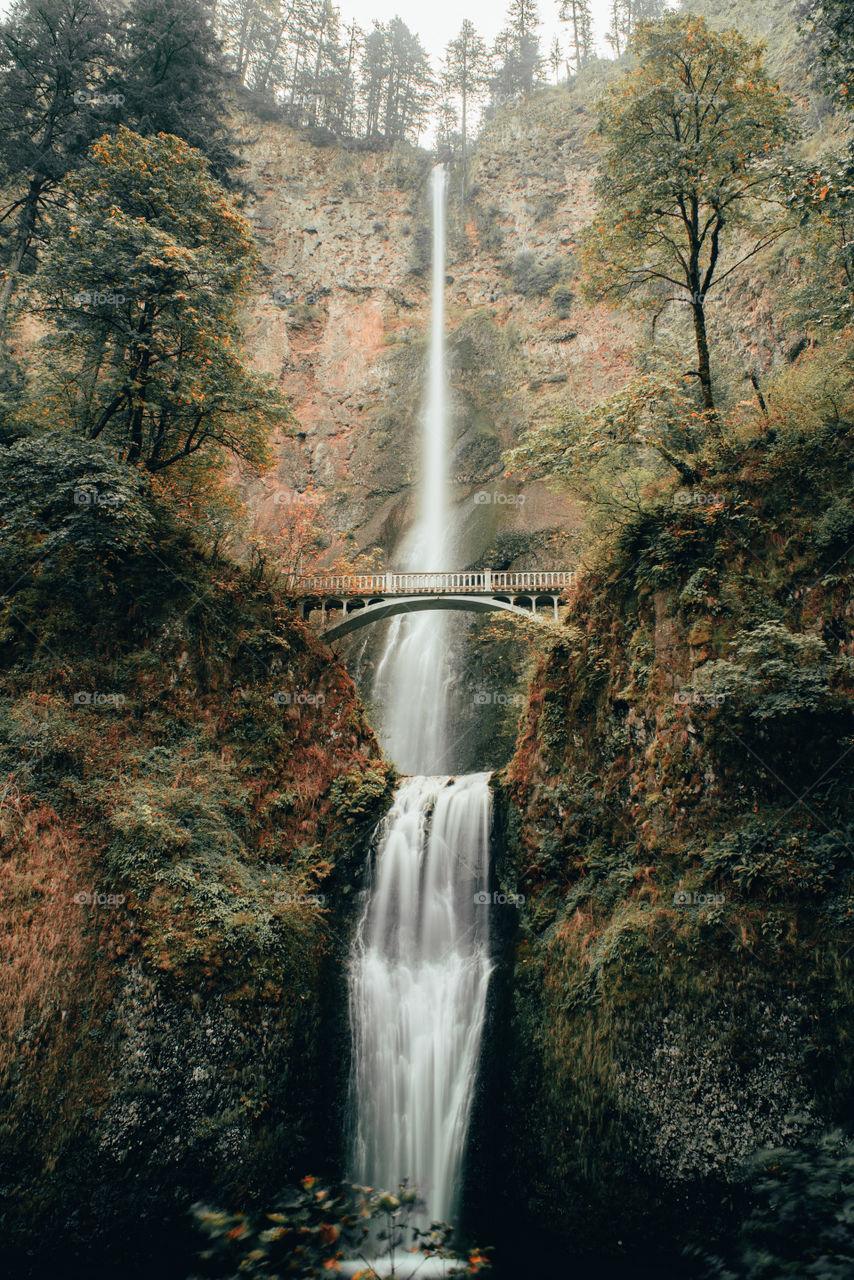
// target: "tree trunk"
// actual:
[[23, 240], [704, 360], [88, 379], [465, 160]]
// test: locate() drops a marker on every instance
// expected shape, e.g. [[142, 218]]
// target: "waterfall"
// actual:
[[420, 972], [412, 675], [420, 965]]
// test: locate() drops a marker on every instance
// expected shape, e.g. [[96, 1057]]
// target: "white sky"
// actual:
[[438, 21]]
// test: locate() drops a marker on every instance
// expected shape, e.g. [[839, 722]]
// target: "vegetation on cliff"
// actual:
[[189, 790]]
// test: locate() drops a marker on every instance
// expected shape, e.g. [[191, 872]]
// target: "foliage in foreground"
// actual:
[[801, 1222], [313, 1229]]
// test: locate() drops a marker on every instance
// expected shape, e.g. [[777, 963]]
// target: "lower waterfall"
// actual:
[[419, 974]]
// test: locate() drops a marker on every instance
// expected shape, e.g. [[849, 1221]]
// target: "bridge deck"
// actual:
[[480, 582]]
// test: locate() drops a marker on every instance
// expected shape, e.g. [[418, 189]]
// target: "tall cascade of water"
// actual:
[[420, 966], [412, 675]]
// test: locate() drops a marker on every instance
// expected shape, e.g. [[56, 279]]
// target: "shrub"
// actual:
[[490, 235], [63, 494], [562, 300], [802, 1219], [313, 1228]]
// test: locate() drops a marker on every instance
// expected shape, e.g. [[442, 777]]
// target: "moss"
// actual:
[[682, 975], [178, 1034]]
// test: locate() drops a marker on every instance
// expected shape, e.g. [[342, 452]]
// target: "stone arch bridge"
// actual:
[[351, 601]]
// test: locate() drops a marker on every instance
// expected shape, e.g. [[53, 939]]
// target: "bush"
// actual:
[[562, 300], [802, 1220], [312, 1229], [489, 233], [533, 279], [63, 494]]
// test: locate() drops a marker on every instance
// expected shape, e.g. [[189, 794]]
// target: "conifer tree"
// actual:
[[464, 79]]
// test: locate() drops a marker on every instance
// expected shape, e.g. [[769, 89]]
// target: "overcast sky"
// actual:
[[438, 21]]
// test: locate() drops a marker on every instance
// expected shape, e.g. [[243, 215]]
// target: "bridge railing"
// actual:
[[485, 582]]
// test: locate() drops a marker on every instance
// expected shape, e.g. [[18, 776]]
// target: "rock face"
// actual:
[[343, 317], [343, 323], [681, 993], [178, 877]]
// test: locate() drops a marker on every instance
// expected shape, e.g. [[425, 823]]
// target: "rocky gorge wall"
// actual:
[[677, 817], [181, 854]]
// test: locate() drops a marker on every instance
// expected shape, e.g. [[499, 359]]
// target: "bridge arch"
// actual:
[[376, 611]]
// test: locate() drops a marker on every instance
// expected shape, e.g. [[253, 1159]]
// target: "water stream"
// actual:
[[412, 675], [418, 989], [420, 965]]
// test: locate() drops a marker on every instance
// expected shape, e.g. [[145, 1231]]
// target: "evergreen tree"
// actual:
[[556, 58], [171, 76], [464, 79], [397, 82], [628, 14], [54, 57], [517, 61], [578, 15]]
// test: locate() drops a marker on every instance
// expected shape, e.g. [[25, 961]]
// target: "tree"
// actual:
[[397, 82], [578, 15], [833, 24], [556, 58], [171, 77], [53, 60], [523, 18], [464, 77], [626, 15], [691, 155], [73, 68], [143, 286], [516, 53]]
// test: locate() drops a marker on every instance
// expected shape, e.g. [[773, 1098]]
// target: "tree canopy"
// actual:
[[147, 270], [693, 140]]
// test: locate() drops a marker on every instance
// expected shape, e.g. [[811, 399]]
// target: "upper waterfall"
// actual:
[[412, 675]]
